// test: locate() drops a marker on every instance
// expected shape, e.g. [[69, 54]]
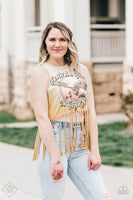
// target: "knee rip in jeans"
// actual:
[[105, 194]]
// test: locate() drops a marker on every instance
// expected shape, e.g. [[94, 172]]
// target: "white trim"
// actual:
[[108, 59], [108, 26], [34, 34], [35, 28]]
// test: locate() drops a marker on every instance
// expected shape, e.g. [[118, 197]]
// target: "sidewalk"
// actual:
[[16, 166]]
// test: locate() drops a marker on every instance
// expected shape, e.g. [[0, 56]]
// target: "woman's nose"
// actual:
[[57, 43]]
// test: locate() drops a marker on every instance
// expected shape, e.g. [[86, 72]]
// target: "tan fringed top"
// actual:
[[67, 102]]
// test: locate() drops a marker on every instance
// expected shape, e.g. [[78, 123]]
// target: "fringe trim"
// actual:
[[43, 153], [73, 147], [71, 129], [36, 146], [66, 144], [59, 124], [64, 113], [86, 131], [76, 139], [81, 131]]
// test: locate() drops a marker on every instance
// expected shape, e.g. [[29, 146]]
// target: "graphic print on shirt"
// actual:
[[73, 89]]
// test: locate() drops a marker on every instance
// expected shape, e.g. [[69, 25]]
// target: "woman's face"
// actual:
[[56, 44]]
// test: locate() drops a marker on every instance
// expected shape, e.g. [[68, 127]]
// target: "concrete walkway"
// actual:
[[19, 179]]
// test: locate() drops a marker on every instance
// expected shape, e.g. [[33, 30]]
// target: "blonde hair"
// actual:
[[71, 57]]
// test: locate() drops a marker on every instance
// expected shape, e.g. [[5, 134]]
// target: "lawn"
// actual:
[[115, 143], [6, 117], [19, 136]]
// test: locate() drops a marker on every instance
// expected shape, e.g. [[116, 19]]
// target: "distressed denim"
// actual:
[[88, 182]]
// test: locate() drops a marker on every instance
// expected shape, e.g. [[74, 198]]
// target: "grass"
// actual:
[[18, 136], [6, 117], [115, 143]]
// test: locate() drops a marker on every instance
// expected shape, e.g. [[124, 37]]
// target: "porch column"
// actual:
[[20, 106], [4, 24], [46, 12], [82, 30], [20, 30], [70, 16], [128, 64], [4, 64], [7, 26], [59, 10], [30, 13]]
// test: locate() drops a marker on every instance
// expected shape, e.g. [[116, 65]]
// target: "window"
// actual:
[[107, 11]]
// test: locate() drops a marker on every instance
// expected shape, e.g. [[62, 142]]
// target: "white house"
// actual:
[[102, 30]]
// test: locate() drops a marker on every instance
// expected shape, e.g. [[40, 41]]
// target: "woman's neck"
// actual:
[[57, 62]]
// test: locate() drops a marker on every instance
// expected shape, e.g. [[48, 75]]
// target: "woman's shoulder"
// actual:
[[40, 69], [83, 69], [40, 73]]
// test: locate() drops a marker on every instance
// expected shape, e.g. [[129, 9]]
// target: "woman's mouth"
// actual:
[[57, 50]]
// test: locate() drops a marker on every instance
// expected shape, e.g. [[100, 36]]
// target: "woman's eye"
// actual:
[[62, 39], [52, 39]]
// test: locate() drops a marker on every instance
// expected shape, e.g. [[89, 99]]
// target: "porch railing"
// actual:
[[107, 43]]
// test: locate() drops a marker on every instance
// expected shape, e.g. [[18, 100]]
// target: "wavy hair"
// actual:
[[71, 57]]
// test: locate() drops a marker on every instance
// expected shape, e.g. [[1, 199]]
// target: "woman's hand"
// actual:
[[94, 160], [57, 170]]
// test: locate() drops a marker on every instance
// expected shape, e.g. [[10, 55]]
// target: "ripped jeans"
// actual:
[[88, 182]]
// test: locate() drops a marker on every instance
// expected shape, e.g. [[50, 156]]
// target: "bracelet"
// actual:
[[58, 162]]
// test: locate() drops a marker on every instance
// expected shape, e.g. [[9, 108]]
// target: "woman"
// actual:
[[67, 138]]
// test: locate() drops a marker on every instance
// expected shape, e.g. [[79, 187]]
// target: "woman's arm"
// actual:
[[39, 102], [94, 158]]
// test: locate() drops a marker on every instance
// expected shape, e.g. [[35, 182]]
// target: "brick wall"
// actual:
[[128, 79], [107, 88], [21, 75]]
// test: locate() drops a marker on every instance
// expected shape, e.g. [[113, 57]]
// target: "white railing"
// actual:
[[107, 45]]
